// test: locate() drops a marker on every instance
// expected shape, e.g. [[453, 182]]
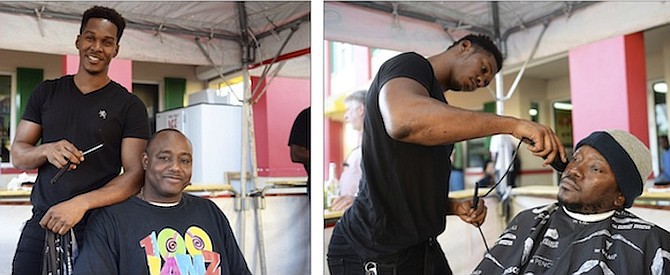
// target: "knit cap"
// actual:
[[628, 157]]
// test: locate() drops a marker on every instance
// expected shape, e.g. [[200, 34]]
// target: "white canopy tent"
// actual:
[[222, 39]]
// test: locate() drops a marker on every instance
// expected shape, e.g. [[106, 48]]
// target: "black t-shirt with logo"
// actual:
[[106, 115]]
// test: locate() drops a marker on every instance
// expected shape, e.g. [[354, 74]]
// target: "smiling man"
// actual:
[[588, 231], [162, 230], [66, 116]]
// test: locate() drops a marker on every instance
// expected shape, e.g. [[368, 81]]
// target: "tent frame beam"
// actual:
[[45, 14]]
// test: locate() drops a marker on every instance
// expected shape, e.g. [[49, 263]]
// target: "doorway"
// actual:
[[148, 93]]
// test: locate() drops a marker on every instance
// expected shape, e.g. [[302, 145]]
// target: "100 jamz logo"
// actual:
[[170, 253]]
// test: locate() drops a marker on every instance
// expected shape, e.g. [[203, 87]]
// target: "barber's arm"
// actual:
[[63, 216], [27, 155], [411, 115]]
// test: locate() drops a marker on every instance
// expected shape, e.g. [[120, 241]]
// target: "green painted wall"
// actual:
[[175, 89], [26, 81]]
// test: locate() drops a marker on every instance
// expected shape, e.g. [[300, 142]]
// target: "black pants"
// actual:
[[30, 249], [343, 260], [28, 257]]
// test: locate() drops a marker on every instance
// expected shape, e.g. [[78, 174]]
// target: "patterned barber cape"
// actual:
[[546, 240]]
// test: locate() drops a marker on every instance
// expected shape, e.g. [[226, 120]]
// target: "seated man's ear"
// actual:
[[619, 201], [145, 160]]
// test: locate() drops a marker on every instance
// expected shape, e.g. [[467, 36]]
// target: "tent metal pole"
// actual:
[[502, 155], [254, 177], [503, 148], [245, 154], [244, 44], [249, 149], [259, 233], [525, 64], [267, 68]]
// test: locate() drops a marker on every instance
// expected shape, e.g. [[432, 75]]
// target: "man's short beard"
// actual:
[[594, 208]]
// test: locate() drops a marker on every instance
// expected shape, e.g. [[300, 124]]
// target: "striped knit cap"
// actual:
[[628, 157]]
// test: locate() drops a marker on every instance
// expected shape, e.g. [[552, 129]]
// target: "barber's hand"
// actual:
[[464, 209], [341, 203], [542, 141], [63, 216], [58, 153]]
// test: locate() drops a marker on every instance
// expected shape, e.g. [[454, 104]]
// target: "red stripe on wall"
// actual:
[[637, 86], [12, 171]]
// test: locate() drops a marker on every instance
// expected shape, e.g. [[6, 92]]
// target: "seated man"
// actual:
[[161, 230], [588, 231]]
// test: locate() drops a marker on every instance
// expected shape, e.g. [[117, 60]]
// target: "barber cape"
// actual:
[[546, 240]]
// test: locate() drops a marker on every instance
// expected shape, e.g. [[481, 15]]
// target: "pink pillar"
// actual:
[[274, 114], [120, 70], [608, 87]]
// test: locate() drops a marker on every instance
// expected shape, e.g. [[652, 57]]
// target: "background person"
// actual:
[[589, 230], [351, 170], [501, 149], [299, 142], [403, 200], [67, 116], [162, 230], [489, 177], [664, 176]]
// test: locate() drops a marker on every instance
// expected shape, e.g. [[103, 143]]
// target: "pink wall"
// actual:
[[273, 117], [120, 70], [607, 82]]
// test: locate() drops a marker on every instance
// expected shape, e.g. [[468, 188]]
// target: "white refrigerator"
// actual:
[[215, 131]]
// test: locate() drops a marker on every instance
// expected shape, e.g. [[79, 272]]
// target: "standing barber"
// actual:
[[67, 116], [409, 134]]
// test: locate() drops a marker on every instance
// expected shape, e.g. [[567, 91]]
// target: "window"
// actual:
[[534, 112], [660, 89], [342, 56], [478, 152], [563, 123]]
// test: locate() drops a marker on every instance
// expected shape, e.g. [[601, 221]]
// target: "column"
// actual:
[[608, 86]]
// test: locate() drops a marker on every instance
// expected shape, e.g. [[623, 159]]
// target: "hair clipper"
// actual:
[[557, 164]]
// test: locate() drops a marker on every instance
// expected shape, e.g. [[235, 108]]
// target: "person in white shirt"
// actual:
[[351, 172]]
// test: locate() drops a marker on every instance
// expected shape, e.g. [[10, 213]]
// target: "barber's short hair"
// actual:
[[104, 13], [357, 96], [484, 42]]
